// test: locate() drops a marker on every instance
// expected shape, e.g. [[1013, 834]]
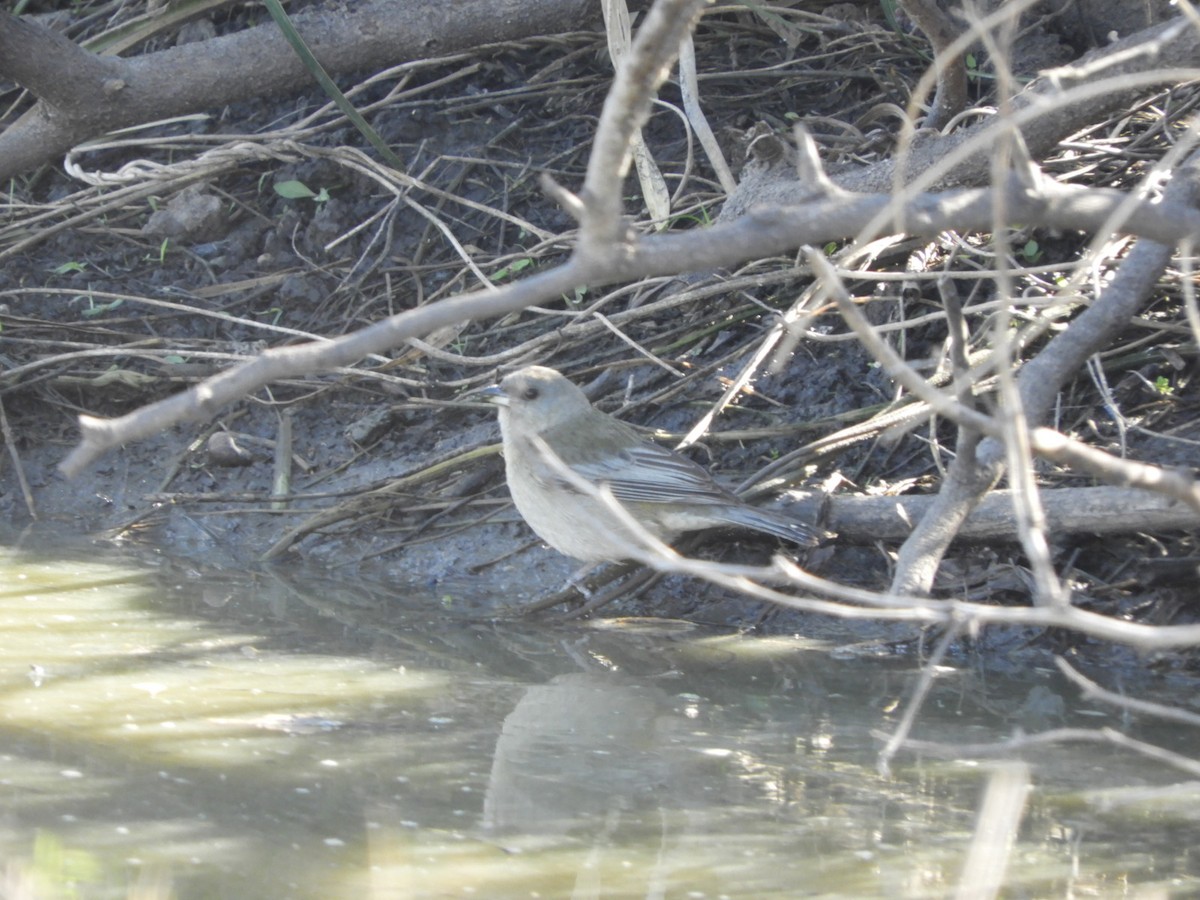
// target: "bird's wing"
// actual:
[[647, 473]]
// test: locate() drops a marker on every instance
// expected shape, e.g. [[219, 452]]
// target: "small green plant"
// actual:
[[275, 312], [577, 298], [161, 256], [514, 267], [701, 217], [98, 309], [69, 268], [1032, 251], [1162, 384], [298, 190]]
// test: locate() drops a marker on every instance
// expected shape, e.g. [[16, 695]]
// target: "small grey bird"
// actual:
[[666, 493]]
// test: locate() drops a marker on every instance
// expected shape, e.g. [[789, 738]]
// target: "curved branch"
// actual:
[[626, 109]]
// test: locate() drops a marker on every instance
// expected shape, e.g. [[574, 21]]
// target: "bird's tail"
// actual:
[[769, 522]]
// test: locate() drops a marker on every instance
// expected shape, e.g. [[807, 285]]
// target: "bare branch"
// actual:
[[205, 399], [1084, 510], [1094, 691]]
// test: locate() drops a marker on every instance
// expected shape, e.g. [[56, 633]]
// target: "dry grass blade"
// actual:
[[654, 186]]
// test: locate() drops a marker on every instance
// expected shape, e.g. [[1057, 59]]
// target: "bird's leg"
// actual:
[[572, 588], [638, 581], [575, 582]]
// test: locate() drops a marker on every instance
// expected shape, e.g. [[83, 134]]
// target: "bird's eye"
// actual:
[[530, 393]]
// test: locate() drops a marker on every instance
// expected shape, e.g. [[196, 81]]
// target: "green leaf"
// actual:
[[101, 309], [294, 190], [69, 267], [577, 298], [513, 268]]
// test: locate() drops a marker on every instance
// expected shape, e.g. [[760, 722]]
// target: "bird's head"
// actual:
[[537, 398]]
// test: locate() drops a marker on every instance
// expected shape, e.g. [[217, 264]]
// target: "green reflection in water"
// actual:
[[243, 735], [93, 655], [150, 737]]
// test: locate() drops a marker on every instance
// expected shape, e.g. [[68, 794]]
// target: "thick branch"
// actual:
[[1087, 510], [951, 96], [103, 94], [769, 230], [37, 58]]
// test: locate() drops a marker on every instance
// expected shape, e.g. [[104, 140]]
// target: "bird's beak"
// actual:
[[495, 395]]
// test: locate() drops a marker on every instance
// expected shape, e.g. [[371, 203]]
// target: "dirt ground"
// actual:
[[109, 305]]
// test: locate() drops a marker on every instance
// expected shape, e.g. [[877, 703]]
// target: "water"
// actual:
[[166, 732]]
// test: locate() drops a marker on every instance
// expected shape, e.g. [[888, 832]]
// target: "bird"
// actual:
[[556, 444]]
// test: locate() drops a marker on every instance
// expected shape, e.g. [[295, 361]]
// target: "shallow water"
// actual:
[[168, 732]]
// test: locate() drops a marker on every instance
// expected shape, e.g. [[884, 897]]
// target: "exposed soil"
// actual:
[[109, 304]]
